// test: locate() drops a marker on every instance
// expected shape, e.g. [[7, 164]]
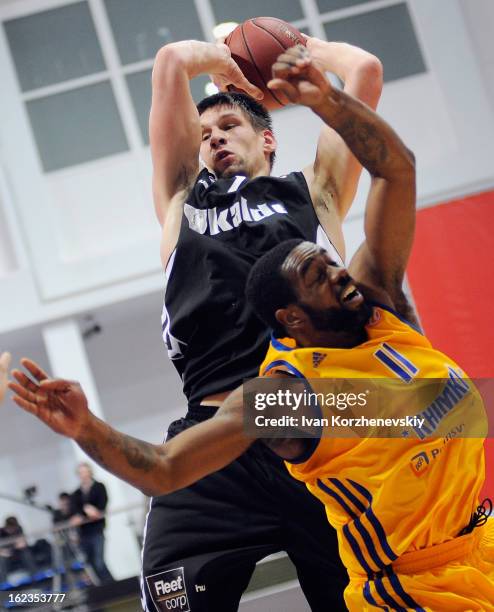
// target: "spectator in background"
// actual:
[[88, 506], [14, 549], [64, 511], [66, 540]]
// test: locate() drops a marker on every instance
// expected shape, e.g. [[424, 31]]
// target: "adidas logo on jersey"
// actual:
[[317, 359]]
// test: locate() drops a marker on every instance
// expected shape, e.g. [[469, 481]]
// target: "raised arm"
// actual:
[[390, 209], [152, 468], [333, 178], [389, 226], [174, 129]]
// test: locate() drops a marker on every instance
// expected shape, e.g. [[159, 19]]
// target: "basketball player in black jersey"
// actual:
[[216, 223]]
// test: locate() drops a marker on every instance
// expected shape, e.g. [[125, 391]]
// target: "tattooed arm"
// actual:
[[155, 469], [390, 210]]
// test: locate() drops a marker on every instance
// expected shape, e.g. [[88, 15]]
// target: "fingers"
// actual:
[[33, 368], [24, 381], [252, 90], [26, 394], [26, 405], [292, 61], [57, 384], [288, 89], [237, 78]]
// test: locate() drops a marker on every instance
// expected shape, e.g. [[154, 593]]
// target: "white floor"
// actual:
[[287, 597]]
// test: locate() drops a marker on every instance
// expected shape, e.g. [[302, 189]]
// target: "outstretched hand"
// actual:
[[297, 76], [60, 404], [4, 374]]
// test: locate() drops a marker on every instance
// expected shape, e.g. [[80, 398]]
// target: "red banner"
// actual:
[[451, 275]]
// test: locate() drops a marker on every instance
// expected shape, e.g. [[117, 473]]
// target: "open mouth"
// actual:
[[222, 155], [351, 295]]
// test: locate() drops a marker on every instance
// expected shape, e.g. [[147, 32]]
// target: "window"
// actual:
[[83, 65]]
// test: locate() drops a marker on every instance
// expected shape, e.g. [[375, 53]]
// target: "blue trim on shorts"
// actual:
[[371, 549], [368, 597], [400, 591], [385, 596], [366, 536]]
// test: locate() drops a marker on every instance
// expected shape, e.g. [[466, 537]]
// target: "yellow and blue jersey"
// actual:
[[387, 497]]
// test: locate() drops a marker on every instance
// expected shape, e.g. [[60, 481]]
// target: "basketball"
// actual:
[[255, 45]]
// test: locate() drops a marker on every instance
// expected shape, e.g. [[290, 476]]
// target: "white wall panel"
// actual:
[[99, 209], [92, 229], [8, 261]]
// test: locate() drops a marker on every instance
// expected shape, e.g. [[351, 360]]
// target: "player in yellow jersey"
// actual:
[[406, 510], [410, 531]]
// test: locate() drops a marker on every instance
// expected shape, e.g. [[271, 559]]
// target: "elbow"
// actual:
[[408, 162], [411, 157], [169, 58], [159, 479], [156, 486], [368, 75], [401, 168], [371, 71], [372, 67], [153, 490], [166, 53]]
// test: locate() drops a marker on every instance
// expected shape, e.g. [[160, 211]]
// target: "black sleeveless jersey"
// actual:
[[213, 337]]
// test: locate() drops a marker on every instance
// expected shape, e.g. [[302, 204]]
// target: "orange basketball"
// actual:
[[255, 46]]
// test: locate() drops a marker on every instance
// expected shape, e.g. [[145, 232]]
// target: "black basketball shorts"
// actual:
[[201, 543]]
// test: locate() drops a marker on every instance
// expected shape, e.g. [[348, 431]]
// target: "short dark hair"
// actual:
[[63, 495], [259, 117], [267, 288]]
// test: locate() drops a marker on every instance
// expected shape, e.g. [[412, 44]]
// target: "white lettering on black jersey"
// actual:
[[212, 335], [215, 220]]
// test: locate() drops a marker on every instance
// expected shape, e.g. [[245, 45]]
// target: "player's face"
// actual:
[[230, 145], [325, 290]]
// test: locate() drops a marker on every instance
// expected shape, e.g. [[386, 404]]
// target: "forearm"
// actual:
[[360, 71], [174, 129], [161, 469], [373, 142], [195, 57], [139, 463]]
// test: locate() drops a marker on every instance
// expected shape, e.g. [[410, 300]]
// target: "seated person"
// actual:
[[14, 549]]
